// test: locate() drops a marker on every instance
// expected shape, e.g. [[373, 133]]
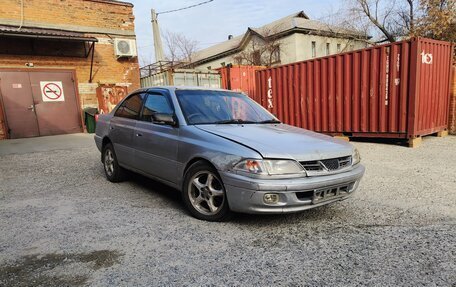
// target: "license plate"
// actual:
[[329, 193]]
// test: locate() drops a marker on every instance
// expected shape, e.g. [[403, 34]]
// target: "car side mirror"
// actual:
[[165, 119]]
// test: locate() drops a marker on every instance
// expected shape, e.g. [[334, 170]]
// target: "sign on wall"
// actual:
[[52, 91]]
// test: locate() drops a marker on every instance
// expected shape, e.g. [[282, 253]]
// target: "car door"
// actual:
[[122, 128], [156, 143]]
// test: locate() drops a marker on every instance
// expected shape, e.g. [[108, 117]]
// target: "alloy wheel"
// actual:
[[206, 193], [109, 162]]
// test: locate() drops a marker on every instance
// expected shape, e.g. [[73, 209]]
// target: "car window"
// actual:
[[217, 107], [131, 107], [155, 103]]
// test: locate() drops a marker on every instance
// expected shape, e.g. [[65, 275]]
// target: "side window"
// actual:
[[131, 107], [155, 103]]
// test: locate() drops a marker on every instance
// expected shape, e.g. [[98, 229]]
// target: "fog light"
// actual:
[[271, 198]]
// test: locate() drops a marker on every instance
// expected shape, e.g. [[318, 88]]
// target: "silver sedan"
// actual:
[[224, 152]]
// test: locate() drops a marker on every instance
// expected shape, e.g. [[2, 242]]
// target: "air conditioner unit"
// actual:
[[125, 47]]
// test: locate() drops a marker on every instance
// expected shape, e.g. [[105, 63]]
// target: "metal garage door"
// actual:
[[39, 103]]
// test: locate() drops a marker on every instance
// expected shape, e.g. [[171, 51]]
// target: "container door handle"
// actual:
[[32, 108], [138, 135]]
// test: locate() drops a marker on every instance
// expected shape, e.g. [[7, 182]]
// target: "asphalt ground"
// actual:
[[63, 224]]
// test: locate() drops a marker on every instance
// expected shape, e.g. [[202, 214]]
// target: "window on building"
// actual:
[[43, 47], [327, 49], [155, 103], [314, 49], [338, 48], [131, 107]]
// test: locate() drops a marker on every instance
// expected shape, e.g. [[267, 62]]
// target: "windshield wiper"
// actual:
[[234, 121], [272, 121]]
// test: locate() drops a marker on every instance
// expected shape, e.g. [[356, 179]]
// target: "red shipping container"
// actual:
[[397, 90], [240, 78], [452, 118]]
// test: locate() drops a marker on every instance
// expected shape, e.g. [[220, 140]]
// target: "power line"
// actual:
[[205, 43], [188, 7]]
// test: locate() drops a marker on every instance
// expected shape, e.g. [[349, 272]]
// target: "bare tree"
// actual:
[[262, 49], [172, 50], [408, 17], [144, 60], [397, 19], [179, 47], [353, 27], [392, 18]]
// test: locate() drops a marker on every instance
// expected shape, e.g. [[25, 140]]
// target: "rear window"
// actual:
[[130, 108]]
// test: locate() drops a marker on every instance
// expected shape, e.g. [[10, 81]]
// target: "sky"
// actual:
[[211, 23]]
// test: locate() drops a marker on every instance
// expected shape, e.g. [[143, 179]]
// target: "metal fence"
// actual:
[[166, 73]]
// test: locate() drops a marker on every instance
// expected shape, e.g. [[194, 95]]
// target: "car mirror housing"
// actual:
[[165, 119]]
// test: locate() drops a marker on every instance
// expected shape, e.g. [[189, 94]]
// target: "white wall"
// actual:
[[304, 45], [297, 47], [216, 63]]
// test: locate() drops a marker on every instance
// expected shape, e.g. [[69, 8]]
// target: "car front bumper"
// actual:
[[245, 194]]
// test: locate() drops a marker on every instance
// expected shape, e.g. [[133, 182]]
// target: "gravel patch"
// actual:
[[63, 223]]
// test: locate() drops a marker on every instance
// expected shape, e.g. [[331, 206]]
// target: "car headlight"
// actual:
[[269, 167], [356, 157]]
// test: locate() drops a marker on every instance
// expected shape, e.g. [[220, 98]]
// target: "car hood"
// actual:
[[282, 141]]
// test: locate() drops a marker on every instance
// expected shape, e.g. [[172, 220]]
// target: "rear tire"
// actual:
[[204, 193], [113, 171]]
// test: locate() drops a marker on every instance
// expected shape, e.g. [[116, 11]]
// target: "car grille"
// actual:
[[326, 165]]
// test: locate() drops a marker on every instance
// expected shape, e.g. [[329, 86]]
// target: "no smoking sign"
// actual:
[[52, 91]]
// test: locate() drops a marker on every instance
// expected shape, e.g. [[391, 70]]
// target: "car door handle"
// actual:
[[138, 135]]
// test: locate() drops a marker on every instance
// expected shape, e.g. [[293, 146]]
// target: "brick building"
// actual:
[[54, 54]]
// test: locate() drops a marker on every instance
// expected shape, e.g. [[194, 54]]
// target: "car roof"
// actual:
[[174, 88]]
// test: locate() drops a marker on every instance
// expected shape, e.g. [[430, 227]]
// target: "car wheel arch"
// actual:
[[105, 141], [196, 167], [195, 160]]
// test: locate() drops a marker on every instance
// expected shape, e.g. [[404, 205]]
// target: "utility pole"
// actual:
[[158, 46]]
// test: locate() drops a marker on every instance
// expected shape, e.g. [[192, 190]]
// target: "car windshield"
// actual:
[[221, 107]]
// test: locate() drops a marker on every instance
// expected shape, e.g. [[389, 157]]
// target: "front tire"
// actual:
[[204, 193], [113, 171]]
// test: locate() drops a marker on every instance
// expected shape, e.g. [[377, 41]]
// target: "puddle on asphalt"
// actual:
[[37, 270]]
